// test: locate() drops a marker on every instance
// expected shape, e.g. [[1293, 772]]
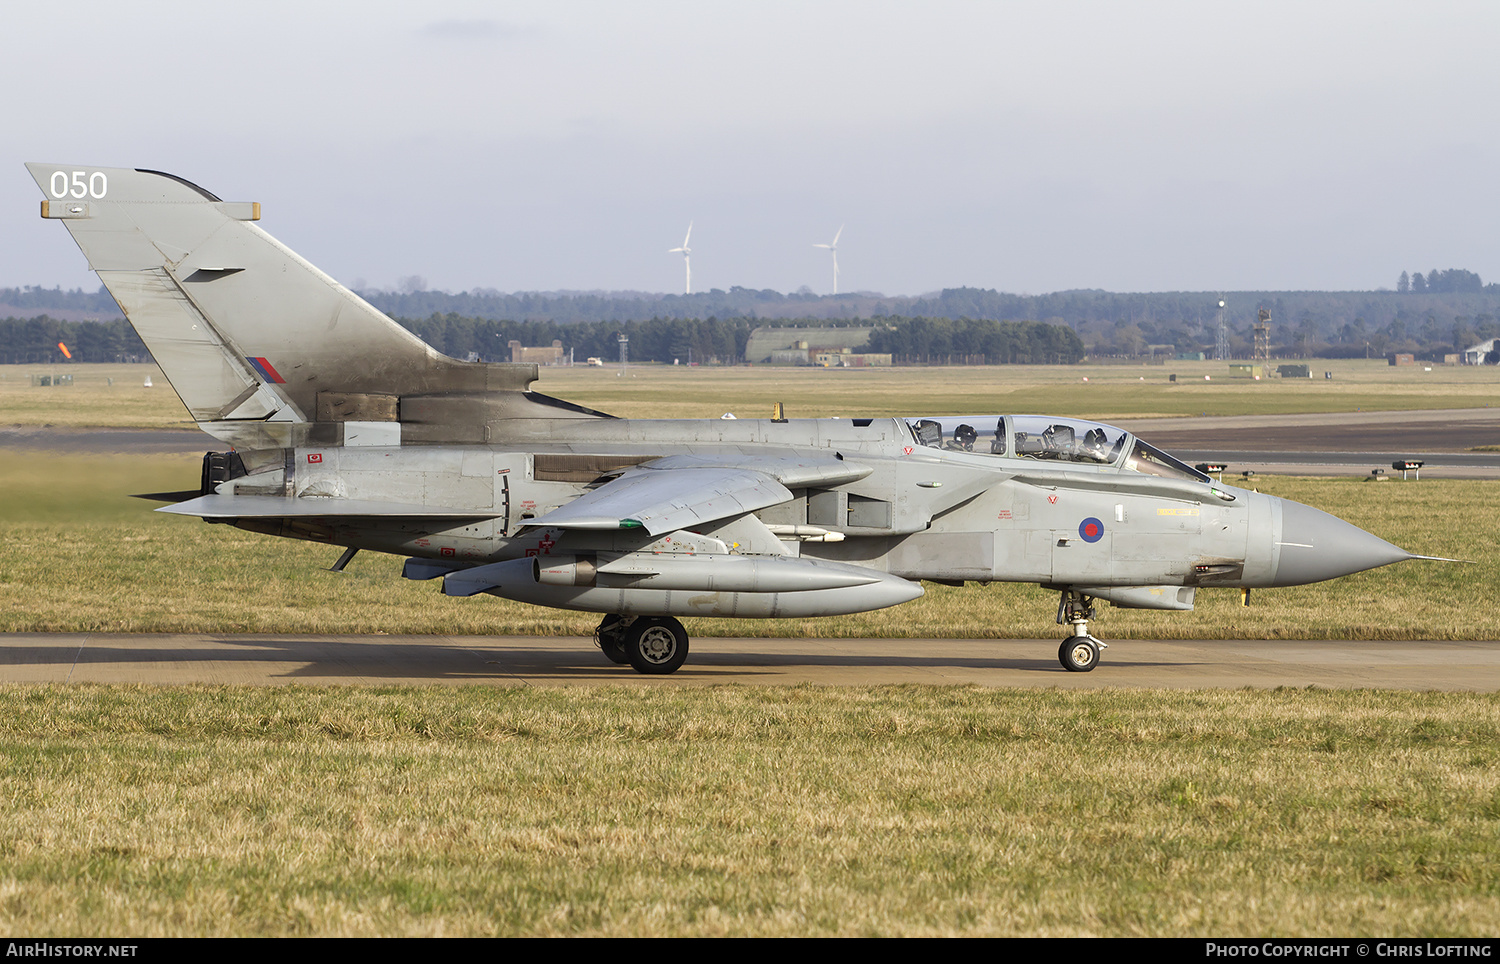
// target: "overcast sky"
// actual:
[[1029, 147]]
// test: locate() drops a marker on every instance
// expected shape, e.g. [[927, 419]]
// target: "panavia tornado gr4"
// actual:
[[347, 429]]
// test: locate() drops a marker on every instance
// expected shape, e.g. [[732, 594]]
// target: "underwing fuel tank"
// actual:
[[704, 573], [734, 586]]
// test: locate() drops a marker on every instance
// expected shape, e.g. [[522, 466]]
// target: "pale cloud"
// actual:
[[1020, 146], [479, 29]]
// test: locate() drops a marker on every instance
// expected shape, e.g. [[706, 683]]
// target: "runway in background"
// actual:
[[1346, 443]]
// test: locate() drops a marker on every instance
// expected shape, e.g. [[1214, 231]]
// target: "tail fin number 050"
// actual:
[[83, 184]]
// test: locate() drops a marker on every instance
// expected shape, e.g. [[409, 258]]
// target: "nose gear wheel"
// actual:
[[1079, 653]]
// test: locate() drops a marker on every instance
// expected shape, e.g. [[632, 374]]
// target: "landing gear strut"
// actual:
[[1079, 653], [610, 638], [655, 645]]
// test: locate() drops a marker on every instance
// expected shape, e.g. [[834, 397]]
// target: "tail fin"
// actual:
[[243, 327]]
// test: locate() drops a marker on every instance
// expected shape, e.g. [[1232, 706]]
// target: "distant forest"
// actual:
[[712, 341], [1430, 313]]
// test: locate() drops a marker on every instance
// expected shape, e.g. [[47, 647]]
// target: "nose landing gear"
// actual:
[[1079, 653]]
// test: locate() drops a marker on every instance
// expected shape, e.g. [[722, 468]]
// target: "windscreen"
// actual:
[[1153, 461], [1048, 438]]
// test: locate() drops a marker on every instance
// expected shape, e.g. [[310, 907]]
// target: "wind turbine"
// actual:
[[687, 256], [833, 249]]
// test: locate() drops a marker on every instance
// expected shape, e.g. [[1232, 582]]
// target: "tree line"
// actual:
[[932, 340], [911, 340], [915, 340], [1441, 282], [28, 340]]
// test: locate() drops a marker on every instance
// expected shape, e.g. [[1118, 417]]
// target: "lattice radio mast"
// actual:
[[1263, 336]]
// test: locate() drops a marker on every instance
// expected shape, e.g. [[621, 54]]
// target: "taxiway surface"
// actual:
[[266, 660]]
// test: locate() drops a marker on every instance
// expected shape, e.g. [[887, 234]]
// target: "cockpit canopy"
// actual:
[[1048, 438]]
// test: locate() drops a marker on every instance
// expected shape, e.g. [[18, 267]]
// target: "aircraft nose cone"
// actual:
[[1316, 546]]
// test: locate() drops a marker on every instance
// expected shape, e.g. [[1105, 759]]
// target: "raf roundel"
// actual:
[[1091, 529]]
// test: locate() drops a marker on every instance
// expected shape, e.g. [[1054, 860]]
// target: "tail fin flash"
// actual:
[[243, 327]]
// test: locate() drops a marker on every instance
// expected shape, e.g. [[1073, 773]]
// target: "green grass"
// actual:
[[747, 811]]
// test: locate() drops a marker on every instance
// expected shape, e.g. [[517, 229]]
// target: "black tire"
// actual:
[[1078, 654], [656, 646], [610, 638]]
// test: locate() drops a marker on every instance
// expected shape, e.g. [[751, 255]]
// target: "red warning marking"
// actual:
[[445, 551], [315, 457], [1052, 499], [907, 450]]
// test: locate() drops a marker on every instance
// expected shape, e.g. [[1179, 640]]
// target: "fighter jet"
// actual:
[[347, 429]]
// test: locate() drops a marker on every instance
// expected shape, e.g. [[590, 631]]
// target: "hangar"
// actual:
[[1484, 353]]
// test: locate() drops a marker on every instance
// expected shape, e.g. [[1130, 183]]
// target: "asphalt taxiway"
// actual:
[[272, 660], [1344, 443]]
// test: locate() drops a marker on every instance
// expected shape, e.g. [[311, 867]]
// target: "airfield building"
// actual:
[[549, 356], [823, 347], [1484, 353]]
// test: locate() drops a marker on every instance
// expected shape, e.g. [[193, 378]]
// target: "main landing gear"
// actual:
[[1079, 653], [655, 645]]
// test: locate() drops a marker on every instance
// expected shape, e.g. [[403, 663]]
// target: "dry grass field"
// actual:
[[894, 811], [1090, 391], [660, 811], [115, 395]]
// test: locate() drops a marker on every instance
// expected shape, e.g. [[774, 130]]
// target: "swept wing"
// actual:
[[680, 492]]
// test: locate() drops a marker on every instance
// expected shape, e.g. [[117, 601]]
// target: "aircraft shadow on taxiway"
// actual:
[[421, 659]]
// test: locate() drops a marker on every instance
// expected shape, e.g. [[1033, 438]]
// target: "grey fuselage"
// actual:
[[921, 512]]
